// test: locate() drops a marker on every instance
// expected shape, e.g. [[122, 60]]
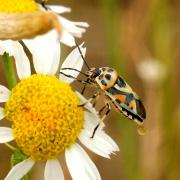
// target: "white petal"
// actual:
[[53, 170], [6, 135], [67, 39], [45, 50], [75, 28], [59, 9], [80, 165], [4, 93], [14, 48], [82, 24], [22, 61], [100, 144], [91, 121], [2, 114], [19, 170], [88, 105], [75, 61]]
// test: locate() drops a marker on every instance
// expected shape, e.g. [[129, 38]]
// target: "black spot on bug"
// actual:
[[108, 76], [118, 101], [97, 72], [103, 82], [110, 70]]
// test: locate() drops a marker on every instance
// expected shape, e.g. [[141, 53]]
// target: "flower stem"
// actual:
[[9, 70]]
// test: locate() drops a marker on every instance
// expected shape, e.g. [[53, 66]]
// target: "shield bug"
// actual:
[[117, 92]]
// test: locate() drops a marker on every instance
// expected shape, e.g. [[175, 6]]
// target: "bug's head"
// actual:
[[93, 72]]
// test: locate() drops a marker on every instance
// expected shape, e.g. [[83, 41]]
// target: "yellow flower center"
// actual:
[[18, 6], [45, 115]]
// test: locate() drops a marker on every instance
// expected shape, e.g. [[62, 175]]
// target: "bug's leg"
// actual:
[[82, 92], [102, 119], [101, 110], [90, 99], [43, 4], [95, 101], [67, 75]]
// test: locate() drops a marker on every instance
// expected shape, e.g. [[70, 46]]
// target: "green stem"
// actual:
[[11, 79], [9, 70]]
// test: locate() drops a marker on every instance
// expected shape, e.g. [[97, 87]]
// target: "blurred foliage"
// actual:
[[154, 40]]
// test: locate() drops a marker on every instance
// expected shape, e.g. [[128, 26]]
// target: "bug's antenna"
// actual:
[[75, 70], [82, 56]]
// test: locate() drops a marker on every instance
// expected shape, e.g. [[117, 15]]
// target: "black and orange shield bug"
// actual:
[[116, 90]]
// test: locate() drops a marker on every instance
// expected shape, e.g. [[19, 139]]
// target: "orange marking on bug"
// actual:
[[122, 98], [105, 87], [131, 105]]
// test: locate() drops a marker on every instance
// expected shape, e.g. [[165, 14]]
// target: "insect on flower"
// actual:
[[117, 92]]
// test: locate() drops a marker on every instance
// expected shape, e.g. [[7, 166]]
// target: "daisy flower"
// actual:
[[27, 19], [70, 29], [46, 119]]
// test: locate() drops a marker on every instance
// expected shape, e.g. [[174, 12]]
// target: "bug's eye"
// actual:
[[93, 72], [96, 73]]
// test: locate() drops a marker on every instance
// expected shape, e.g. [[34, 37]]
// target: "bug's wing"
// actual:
[[131, 110], [131, 113], [126, 101], [140, 108]]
